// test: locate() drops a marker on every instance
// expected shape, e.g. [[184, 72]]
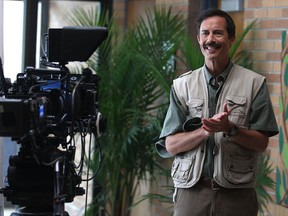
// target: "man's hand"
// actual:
[[219, 122]]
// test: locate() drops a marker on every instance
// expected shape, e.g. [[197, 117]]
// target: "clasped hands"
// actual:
[[219, 122]]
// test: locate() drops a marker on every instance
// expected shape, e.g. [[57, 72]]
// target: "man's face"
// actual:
[[213, 39]]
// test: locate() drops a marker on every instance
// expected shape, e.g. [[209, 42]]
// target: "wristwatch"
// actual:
[[232, 131]]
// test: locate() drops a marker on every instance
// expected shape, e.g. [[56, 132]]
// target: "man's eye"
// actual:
[[218, 33]]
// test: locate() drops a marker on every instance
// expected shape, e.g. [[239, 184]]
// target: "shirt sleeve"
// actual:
[[175, 116], [173, 123], [262, 115]]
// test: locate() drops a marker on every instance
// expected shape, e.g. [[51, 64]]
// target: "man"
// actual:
[[219, 119]]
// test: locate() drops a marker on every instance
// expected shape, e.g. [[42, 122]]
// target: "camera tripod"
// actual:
[[38, 194]]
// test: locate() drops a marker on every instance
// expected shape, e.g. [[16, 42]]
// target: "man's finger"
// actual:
[[232, 108]]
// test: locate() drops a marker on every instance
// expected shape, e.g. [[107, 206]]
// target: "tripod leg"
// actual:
[[58, 198]]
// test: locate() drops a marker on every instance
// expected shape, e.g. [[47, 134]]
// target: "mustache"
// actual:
[[212, 44]]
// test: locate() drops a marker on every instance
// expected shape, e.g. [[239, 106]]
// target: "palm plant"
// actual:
[[264, 181], [136, 70]]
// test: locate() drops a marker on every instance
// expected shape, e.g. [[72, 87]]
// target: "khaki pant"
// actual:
[[203, 201]]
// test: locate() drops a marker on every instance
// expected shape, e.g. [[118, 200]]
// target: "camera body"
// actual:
[[47, 101]]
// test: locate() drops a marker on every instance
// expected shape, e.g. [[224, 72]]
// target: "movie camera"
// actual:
[[43, 111]]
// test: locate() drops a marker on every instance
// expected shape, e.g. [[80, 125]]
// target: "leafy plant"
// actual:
[[136, 68], [264, 181]]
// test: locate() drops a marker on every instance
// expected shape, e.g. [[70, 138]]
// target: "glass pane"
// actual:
[[60, 9], [12, 37]]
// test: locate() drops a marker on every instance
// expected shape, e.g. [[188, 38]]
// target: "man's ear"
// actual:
[[198, 38], [232, 41]]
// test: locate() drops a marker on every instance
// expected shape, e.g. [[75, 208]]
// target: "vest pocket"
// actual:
[[239, 169], [195, 107], [238, 104], [182, 168]]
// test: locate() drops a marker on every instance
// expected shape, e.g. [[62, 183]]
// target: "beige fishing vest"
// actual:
[[234, 166]]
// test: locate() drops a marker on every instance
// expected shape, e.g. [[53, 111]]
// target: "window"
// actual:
[[12, 37]]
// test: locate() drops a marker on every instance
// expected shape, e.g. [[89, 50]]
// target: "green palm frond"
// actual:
[[192, 54], [264, 181]]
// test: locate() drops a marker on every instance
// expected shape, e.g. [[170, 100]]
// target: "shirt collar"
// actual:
[[224, 74]]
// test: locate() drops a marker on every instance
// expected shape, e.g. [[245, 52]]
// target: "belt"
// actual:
[[210, 183]]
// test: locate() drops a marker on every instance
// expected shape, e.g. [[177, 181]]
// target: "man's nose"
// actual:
[[211, 38]]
